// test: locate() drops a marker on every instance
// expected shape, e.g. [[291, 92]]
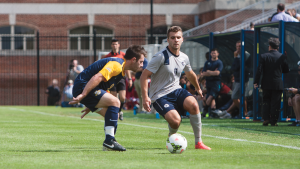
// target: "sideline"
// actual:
[[136, 125]]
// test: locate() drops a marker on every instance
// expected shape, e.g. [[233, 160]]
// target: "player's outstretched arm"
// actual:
[[193, 79], [93, 82], [144, 87]]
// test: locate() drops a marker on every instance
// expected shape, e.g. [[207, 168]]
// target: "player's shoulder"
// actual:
[[160, 54], [181, 54]]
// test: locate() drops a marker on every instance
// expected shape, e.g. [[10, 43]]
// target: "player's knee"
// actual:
[[116, 102], [194, 108], [175, 123]]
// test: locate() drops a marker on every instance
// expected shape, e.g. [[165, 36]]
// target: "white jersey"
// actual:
[[166, 68]]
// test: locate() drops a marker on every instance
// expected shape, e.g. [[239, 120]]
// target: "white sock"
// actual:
[[110, 130], [195, 121], [171, 130]]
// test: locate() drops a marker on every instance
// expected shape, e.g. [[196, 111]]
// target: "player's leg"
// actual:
[[296, 107], [121, 89], [190, 104], [110, 107], [165, 107]]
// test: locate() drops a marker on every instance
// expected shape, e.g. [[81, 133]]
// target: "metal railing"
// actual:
[[229, 20], [261, 18]]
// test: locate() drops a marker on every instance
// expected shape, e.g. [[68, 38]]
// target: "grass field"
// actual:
[[52, 137]]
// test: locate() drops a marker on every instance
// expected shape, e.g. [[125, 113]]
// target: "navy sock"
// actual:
[[111, 122], [122, 104]]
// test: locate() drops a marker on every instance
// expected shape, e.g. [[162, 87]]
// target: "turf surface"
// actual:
[[54, 137]]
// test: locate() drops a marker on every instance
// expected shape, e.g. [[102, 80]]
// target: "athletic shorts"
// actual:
[[92, 99], [172, 101], [237, 90], [213, 89], [120, 86]]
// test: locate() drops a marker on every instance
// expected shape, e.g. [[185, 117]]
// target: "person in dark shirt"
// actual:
[[271, 66], [90, 89], [212, 73], [53, 93]]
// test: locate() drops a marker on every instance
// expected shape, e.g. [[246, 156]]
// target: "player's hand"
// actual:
[[235, 54], [146, 104], [290, 103], [85, 112], [199, 91], [255, 86], [129, 83], [77, 99]]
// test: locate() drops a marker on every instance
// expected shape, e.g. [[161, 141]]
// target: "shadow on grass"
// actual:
[[137, 148], [75, 149]]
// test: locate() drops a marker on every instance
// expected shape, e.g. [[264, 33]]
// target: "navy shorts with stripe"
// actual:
[[92, 99], [172, 101]]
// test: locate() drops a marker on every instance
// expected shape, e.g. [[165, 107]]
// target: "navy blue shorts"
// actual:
[[213, 89], [121, 85], [172, 101], [92, 99]]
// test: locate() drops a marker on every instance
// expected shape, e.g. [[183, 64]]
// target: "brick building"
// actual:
[[66, 31]]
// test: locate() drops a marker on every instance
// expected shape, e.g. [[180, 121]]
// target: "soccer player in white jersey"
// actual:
[[168, 98]]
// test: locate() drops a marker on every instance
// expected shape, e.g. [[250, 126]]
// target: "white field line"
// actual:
[[136, 125]]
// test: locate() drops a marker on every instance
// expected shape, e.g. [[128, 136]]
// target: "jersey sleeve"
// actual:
[[112, 68], [205, 67], [187, 67], [220, 66], [155, 63]]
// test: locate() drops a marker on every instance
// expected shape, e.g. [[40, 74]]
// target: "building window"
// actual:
[[81, 38], [16, 38]]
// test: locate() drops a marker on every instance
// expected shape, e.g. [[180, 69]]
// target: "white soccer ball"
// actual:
[[176, 143]]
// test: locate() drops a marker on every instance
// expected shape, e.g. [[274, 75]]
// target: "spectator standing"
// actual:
[[74, 69], [121, 86], [53, 93], [252, 26], [282, 16], [212, 73], [236, 90], [271, 66]]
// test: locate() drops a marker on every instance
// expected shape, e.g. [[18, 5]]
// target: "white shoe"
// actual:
[[222, 113], [226, 116]]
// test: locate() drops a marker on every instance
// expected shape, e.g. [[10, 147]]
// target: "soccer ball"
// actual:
[[176, 143]]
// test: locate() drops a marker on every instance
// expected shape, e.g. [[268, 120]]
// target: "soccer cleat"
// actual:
[[200, 145], [112, 145], [121, 116]]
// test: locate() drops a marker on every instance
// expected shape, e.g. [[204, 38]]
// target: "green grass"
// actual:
[[54, 137]]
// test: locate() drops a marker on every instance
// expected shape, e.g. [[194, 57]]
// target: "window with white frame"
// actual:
[[81, 38], [16, 38]]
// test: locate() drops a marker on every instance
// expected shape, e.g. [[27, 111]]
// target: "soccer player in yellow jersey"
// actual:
[[90, 89]]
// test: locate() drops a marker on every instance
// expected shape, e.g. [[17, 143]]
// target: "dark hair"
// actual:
[[174, 29], [251, 24], [239, 41], [114, 40], [280, 6], [135, 51], [215, 49], [274, 43], [207, 55]]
